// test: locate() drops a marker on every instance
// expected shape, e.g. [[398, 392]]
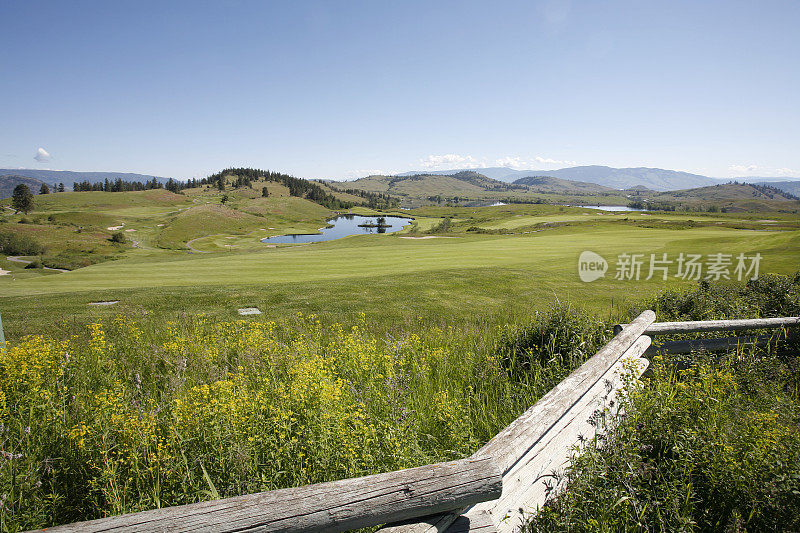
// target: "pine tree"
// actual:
[[22, 199], [44, 189]]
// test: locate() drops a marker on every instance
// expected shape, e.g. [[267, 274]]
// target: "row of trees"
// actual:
[[120, 185], [45, 189], [373, 200]]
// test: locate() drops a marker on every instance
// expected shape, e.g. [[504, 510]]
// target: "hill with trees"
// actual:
[[616, 178], [299, 187], [558, 185], [9, 181], [732, 196]]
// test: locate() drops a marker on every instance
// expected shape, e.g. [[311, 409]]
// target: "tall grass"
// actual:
[[128, 416], [711, 447]]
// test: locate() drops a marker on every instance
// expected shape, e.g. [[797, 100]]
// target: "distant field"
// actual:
[[388, 277], [190, 253]]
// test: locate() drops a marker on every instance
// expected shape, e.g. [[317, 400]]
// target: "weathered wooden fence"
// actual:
[[491, 491]]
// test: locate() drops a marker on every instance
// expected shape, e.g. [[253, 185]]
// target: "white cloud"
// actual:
[[42, 155], [436, 162], [452, 161], [783, 171], [743, 169], [360, 173], [757, 170], [519, 163]]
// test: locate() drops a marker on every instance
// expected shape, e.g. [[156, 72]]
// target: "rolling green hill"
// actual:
[[729, 196], [550, 184], [471, 186], [9, 181]]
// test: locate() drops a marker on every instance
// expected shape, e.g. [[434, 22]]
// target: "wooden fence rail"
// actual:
[[335, 506], [664, 328], [539, 442], [493, 491]]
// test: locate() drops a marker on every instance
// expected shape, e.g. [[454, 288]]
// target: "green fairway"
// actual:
[[549, 255], [461, 277]]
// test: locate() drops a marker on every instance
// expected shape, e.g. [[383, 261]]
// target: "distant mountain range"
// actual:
[[616, 178], [657, 179], [68, 177], [560, 185], [792, 187]]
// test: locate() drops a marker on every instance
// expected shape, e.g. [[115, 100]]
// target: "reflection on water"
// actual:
[[343, 226], [609, 207]]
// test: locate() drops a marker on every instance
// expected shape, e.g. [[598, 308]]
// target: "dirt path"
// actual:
[[18, 259], [191, 248]]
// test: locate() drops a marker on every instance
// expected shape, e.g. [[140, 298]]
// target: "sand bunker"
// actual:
[[249, 311], [4, 272], [114, 228], [160, 225], [107, 302], [129, 230]]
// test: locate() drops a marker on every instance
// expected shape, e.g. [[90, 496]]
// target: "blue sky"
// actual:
[[344, 89]]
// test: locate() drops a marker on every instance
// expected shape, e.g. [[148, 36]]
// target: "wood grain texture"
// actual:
[[664, 328], [710, 345], [526, 487], [513, 442], [335, 506], [513, 446]]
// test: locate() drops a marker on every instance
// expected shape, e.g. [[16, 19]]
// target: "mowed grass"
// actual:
[[550, 255], [468, 277]]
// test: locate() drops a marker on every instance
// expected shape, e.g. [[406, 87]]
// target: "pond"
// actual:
[[344, 226], [609, 207]]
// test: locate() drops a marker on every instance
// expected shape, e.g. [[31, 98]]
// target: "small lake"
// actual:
[[343, 226], [609, 207]]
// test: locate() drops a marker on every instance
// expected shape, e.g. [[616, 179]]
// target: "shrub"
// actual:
[[712, 448], [118, 237], [36, 263], [770, 295], [12, 243], [562, 337]]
